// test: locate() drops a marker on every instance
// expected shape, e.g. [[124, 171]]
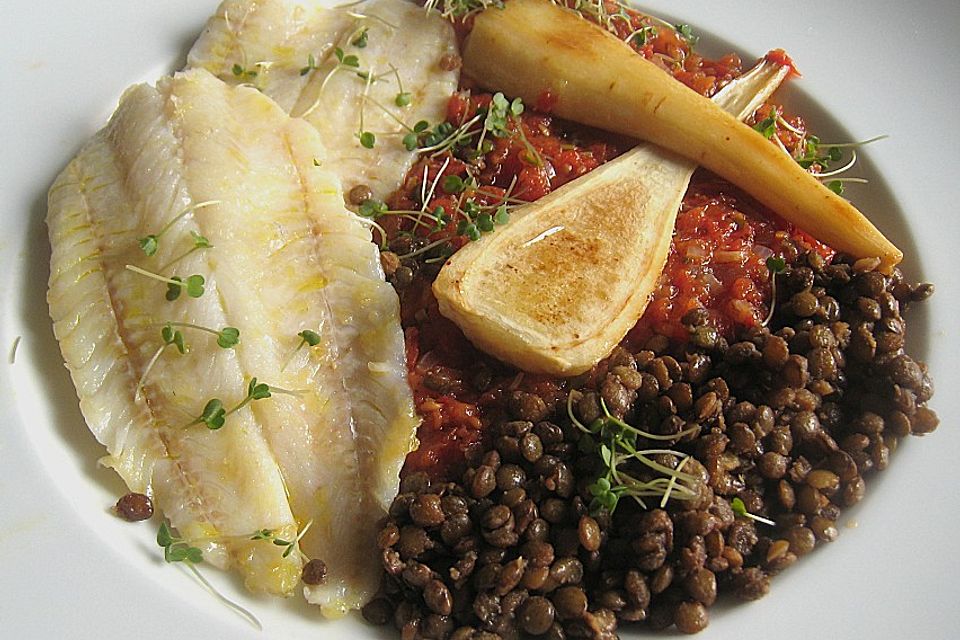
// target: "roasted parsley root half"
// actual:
[[533, 48], [556, 289]]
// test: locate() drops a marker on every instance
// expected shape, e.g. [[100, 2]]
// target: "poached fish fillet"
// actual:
[[341, 69], [197, 163]]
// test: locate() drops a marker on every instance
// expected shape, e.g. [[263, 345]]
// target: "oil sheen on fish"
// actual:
[[265, 225], [341, 69]]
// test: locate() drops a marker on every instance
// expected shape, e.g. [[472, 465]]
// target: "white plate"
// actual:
[[69, 569]]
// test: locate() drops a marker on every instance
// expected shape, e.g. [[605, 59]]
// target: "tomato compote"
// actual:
[[717, 261]]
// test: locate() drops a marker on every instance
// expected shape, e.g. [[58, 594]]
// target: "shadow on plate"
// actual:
[[40, 347]]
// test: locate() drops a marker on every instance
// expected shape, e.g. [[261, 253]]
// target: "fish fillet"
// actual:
[[286, 256], [402, 48]]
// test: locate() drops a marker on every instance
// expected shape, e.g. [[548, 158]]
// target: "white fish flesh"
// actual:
[[341, 69], [285, 257]]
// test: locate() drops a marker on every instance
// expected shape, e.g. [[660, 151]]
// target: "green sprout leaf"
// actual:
[[472, 232], [687, 33], [453, 184], [411, 141], [643, 35], [497, 115], [228, 337], [176, 549], [174, 337], [257, 391], [195, 286], [361, 40], [242, 72], [199, 241], [372, 209], [149, 244], [776, 265], [767, 127], [311, 65], [606, 455], [368, 140], [403, 99], [485, 222], [311, 338], [346, 60], [174, 288], [164, 536], [268, 535], [836, 186], [213, 415], [740, 509]]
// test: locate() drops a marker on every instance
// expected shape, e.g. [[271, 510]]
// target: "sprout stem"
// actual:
[[244, 613]]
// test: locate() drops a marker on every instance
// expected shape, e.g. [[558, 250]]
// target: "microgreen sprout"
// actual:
[[308, 338], [214, 415], [454, 184], [194, 284], [241, 72], [615, 442], [442, 137], [345, 59], [178, 550], [367, 139], [403, 98], [345, 62], [812, 154], [498, 115], [477, 219], [170, 338], [815, 155], [740, 509], [254, 77], [288, 545], [459, 9], [199, 242], [311, 65], [767, 127], [776, 266], [372, 208], [502, 120], [227, 337], [150, 243], [641, 36], [361, 38], [687, 33], [478, 211], [629, 25]]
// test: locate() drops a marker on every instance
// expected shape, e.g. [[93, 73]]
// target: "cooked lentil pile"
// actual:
[[784, 423]]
